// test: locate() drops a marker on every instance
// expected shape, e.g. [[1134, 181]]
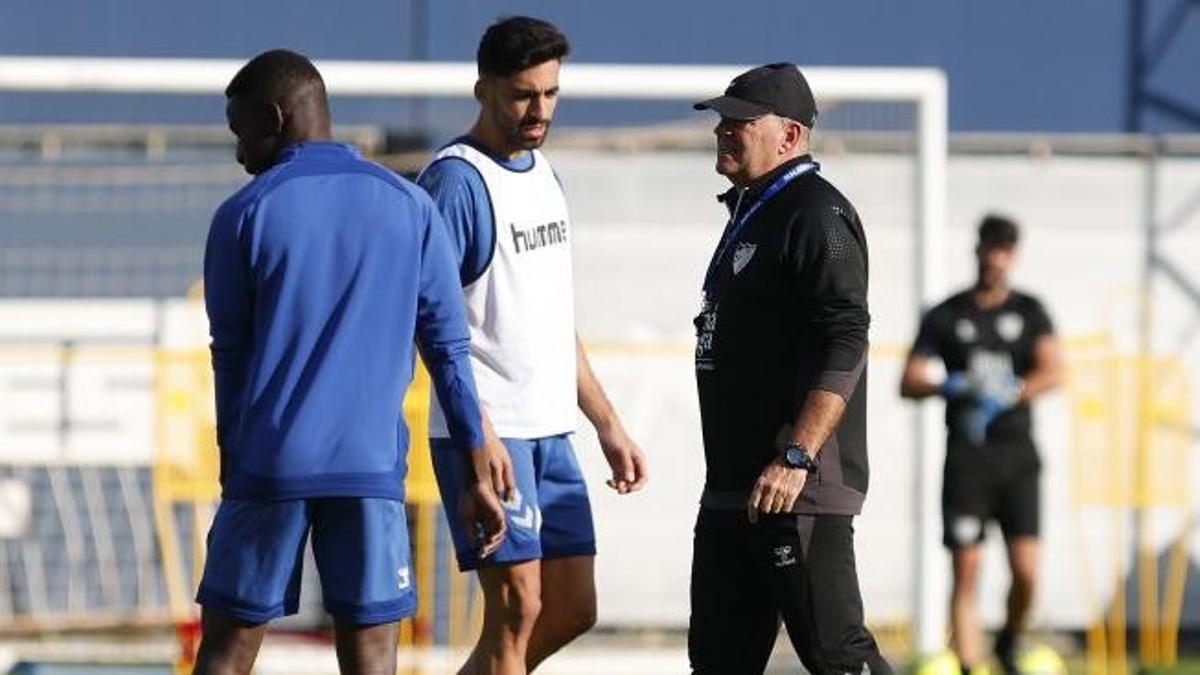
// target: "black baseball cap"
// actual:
[[777, 88]]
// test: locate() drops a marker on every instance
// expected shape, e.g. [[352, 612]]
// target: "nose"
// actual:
[[538, 106], [724, 127]]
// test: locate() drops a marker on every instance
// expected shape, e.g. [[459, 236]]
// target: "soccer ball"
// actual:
[[1041, 660], [945, 663]]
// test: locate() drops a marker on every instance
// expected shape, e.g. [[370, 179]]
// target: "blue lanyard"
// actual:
[[734, 227]]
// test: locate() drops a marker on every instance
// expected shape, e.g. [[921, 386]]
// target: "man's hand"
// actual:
[[482, 517], [776, 490], [493, 467], [479, 506], [626, 459]]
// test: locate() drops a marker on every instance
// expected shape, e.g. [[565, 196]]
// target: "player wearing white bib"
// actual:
[[520, 302], [510, 227]]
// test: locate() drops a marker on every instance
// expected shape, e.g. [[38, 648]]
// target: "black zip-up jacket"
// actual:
[[785, 314]]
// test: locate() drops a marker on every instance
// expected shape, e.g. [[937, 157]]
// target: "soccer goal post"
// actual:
[[924, 89]]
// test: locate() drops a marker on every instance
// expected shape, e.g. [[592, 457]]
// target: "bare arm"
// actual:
[[1046, 374], [915, 382], [779, 485], [624, 456], [491, 464], [592, 399], [1047, 371], [818, 417]]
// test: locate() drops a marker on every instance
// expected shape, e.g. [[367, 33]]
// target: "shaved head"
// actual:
[[277, 76], [276, 100]]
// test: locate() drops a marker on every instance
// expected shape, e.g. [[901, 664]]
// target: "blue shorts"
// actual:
[[549, 517], [256, 554]]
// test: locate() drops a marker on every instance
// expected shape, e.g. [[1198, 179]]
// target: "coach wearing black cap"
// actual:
[[781, 351]]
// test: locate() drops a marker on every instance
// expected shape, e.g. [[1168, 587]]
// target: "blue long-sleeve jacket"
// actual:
[[319, 275]]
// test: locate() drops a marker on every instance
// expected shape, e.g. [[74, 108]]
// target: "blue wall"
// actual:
[[1021, 65]]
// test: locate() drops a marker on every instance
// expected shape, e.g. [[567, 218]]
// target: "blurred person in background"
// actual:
[[781, 353], [318, 276], [511, 232], [1000, 352]]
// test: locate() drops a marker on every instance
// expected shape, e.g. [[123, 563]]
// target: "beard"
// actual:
[[993, 278], [521, 137]]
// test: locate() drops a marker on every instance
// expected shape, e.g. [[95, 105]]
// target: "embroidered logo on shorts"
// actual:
[[783, 556], [522, 515], [742, 255], [403, 578], [967, 529]]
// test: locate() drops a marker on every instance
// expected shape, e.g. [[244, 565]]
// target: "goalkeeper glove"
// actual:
[[956, 385], [990, 401]]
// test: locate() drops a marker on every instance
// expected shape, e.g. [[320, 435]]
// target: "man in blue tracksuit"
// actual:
[[319, 276]]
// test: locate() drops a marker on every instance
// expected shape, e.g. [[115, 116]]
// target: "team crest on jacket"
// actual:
[[742, 255]]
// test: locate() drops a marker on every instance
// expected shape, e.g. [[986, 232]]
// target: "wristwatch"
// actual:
[[796, 456]]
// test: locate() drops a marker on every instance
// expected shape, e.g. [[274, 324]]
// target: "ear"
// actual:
[[274, 119], [479, 91], [790, 137], [803, 133], [794, 136]]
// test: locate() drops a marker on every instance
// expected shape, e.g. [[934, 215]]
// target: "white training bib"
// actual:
[[521, 310]]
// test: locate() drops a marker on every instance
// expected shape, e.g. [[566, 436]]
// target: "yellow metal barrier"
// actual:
[[186, 468], [445, 598], [1129, 421]]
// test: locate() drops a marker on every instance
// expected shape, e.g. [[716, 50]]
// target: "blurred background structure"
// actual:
[[1078, 120]]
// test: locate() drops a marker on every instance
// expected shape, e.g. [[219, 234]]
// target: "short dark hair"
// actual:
[[515, 43], [997, 230], [274, 76]]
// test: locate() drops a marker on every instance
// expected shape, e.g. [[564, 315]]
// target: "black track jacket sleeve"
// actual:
[[831, 269]]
